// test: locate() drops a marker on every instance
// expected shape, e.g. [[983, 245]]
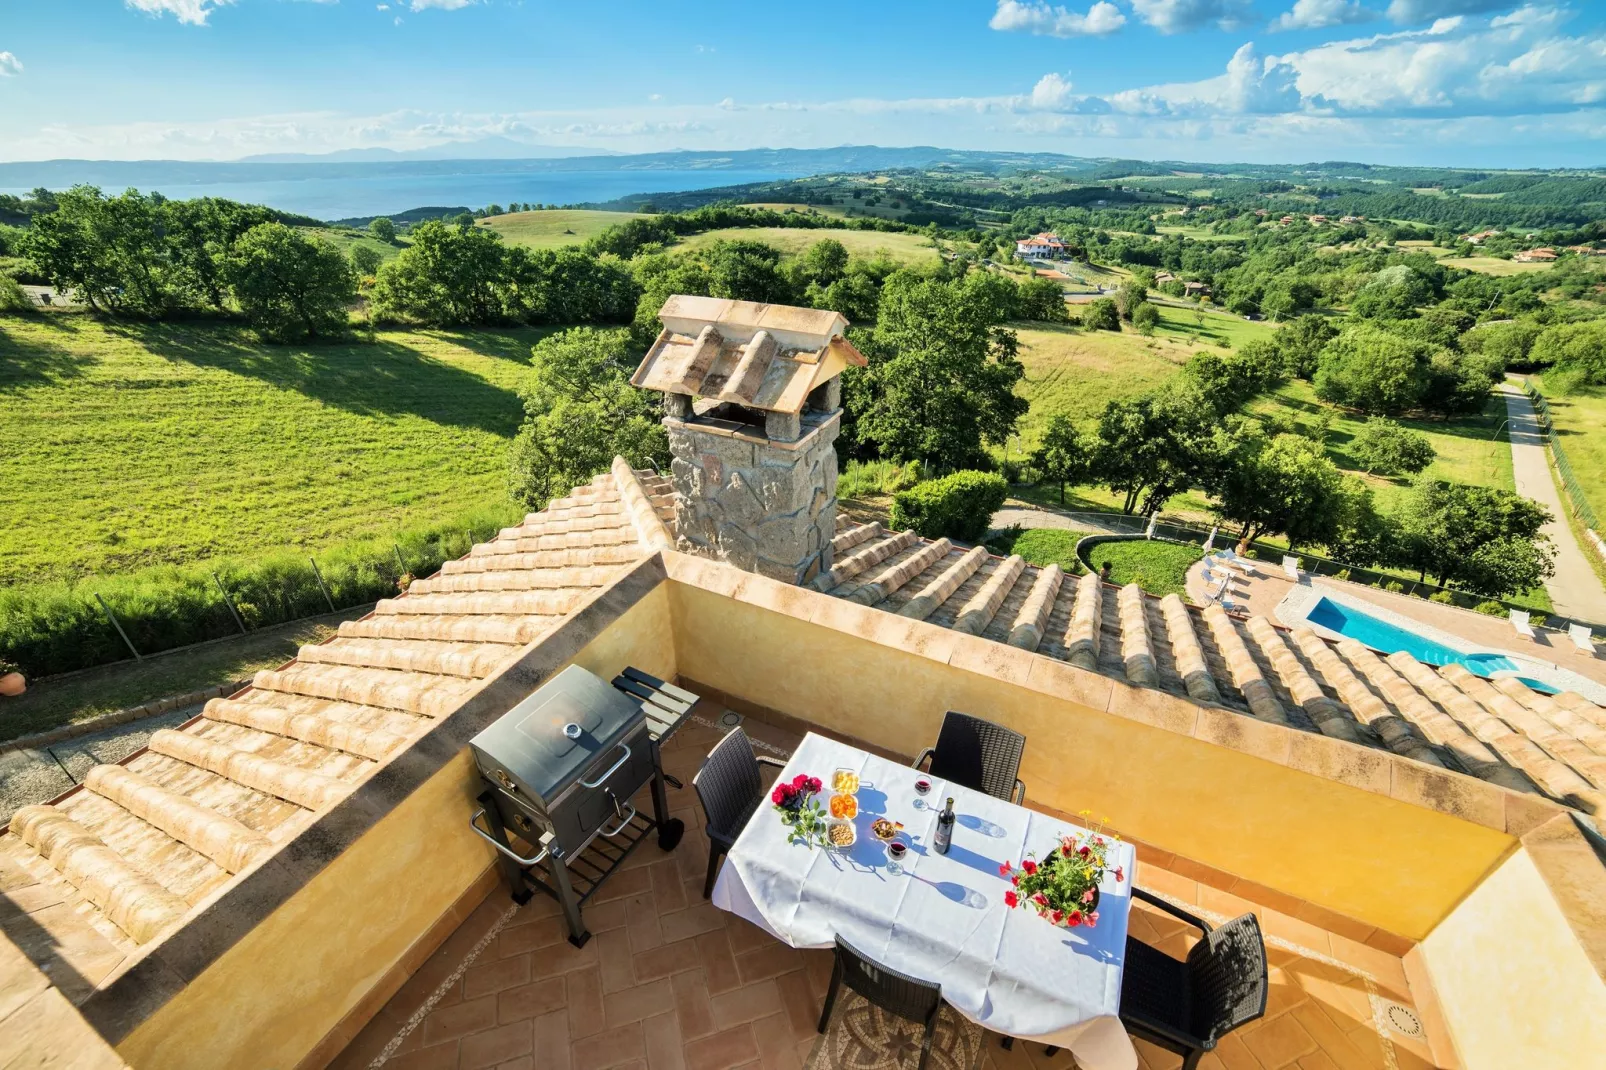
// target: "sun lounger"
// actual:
[[1291, 567], [1582, 639], [1242, 564], [1519, 621]]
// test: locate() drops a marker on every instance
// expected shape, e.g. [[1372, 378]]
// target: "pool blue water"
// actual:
[[1381, 635]]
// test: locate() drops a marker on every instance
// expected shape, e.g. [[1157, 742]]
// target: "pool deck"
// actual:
[[1259, 596]]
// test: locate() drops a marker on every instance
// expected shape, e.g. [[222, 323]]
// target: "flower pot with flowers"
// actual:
[[800, 810], [1064, 887]]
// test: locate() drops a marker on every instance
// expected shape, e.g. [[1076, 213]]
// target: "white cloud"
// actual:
[[1181, 16], [1318, 14], [655, 96], [10, 65], [1415, 12], [444, 5], [193, 12], [1037, 17], [1051, 92]]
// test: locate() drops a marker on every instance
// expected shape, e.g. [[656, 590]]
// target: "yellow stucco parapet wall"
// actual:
[[1354, 830]]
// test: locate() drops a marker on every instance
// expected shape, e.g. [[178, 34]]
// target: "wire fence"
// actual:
[[1569, 480]]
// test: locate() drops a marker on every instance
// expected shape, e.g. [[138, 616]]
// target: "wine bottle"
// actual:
[[945, 829]]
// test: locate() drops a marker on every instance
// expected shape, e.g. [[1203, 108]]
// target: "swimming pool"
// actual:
[[1388, 638]]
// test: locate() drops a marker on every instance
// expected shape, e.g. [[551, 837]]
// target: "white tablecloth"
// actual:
[[943, 919]]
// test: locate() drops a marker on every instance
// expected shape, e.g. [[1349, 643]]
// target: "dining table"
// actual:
[[942, 917]]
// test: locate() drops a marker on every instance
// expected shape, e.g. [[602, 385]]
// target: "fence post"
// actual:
[[399, 562], [235, 613], [118, 625], [321, 585]]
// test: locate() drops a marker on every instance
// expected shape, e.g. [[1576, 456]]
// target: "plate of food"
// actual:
[[844, 807], [840, 835], [884, 830]]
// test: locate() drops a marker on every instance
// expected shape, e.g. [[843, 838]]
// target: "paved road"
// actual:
[[1575, 590]]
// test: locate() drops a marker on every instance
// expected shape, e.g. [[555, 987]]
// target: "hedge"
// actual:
[[54, 628], [960, 506]]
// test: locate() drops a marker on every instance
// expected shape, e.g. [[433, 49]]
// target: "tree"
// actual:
[[199, 233], [1149, 448], [1385, 447], [567, 286], [289, 286], [1131, 294], [1300, 342], [1145, 318], [1457, 534], [1284, 486], [824, 262], [1063, 455], [449, 276], [1042, 300], [942, 374], [581, 412], [111, 251], [1579, 348], [1370, 369], [1393, 293], [365, 259], [1102, 315], [383, 230]]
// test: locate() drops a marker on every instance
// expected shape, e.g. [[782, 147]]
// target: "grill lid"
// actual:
[[547, 740]]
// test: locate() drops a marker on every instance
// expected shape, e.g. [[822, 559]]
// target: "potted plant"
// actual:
[[12, 682], [1063, 888]]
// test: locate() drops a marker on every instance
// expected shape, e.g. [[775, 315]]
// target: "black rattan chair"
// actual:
[[977, 754], [896, 993], [1187, 1007], [729, 787]]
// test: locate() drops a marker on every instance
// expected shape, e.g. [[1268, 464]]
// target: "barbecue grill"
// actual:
[[560, 769]]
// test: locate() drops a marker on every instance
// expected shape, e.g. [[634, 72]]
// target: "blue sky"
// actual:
[[1474, 82]]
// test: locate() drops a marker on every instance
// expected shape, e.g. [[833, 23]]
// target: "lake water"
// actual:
[[346, 197]]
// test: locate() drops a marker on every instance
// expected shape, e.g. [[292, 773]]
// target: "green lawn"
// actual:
[[904, 248], [1493, 265], [128, 445], [1468, 449], [553, 227], [1580, 422], [346, 239], [1046, 546], [1160, 568]]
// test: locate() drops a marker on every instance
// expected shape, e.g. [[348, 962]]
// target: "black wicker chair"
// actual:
[[896, 993], [977, 754], [729, 787], [1187, 1007]]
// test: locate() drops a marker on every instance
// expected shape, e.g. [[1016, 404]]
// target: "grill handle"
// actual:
[[627, 815], [474, 823], [614, 768]]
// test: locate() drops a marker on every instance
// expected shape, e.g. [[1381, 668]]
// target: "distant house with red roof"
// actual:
[[1534, 256], [1044, 246]]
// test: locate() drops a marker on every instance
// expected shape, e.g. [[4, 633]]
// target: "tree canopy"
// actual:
[[290, 287], [1481, 539]]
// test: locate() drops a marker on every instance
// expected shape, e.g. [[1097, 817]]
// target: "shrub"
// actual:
[[1444, 598], [56, 628], [12, 297], [960, 506], [1343, 574], [1490, 609], [1394, 587], [1102, 315], [876, 477], [1145, 317], [1387, 448]]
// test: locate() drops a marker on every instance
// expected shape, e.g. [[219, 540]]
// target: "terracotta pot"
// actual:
[[13, 684]]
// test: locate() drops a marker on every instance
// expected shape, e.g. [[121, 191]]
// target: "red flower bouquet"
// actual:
[[1064, 886], [799, 810]]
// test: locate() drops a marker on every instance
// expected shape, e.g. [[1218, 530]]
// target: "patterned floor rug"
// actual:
[[861, 1036]]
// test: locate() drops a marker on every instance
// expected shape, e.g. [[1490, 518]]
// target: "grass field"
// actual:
[[1468, 449], [550, 228], [1199, 233], [130, 445], [904, 248], [835, 211], [1580, 422], [346, 239], [1160, 568], [1490, 265]]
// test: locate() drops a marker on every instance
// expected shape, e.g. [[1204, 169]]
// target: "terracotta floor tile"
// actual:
[[1331, 1039], [433, 1057], [600, 917], [667, 959], [1278, 1042], [482, 979], [1225, 903], [1150, 1057], [701, 917], [1234, 1055], [765, 963], [551, 1036], [714, 951], [562, 957], [495, 1046], [523, 1062], [613, 1047], [624, 884], [746, 1004], [745, 936], [777, 1050], [692, 1003], [613, 956], [722, 1051], [802, 1009], [532, 1000], [642, 1001], [540, 933], [454, 1022], [1385, 969], [1295, 931], [667, 887], [1316, 1060], [1282, 994], [641, 923], [586, 1016], [661, 1034]]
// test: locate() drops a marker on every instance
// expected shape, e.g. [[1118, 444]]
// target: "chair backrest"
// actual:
[[728, 782], [1227, 976], [1519, 617], [978, 754], [1581, 632], [894, 992]]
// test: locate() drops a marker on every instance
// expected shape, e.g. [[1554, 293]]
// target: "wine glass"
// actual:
[[895, 852], [922, 788]]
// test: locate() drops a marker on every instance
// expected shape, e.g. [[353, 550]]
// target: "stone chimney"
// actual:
[[753, 404]]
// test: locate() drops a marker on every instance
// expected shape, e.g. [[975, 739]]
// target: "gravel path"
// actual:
[[1028, 516]]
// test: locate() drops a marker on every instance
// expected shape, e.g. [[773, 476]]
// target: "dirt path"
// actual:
[[1575, 590]]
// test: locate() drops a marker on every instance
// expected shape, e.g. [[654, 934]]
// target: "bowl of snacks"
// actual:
[[845, 781], [840, 835], [844, 807], [884, 830]]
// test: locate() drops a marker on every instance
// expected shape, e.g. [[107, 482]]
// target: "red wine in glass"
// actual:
[[922, 786]]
